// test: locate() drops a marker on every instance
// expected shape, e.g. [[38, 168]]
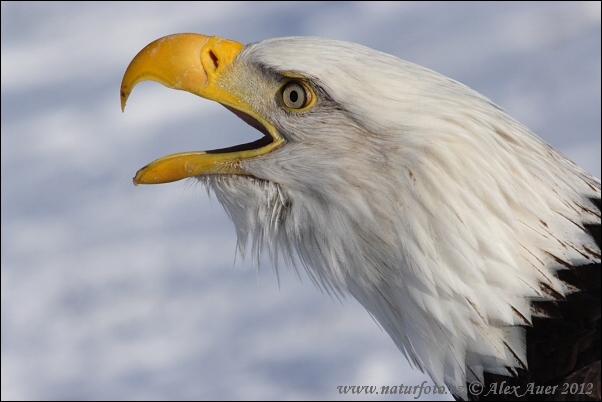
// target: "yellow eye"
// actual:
[[295, 95]]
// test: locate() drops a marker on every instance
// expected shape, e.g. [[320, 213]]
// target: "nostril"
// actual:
[[214, 59]]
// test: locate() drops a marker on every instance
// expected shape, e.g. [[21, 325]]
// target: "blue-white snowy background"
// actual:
[[111, 291]]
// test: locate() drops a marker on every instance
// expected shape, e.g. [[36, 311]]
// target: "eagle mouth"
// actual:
[[197, 63], [267, 138]]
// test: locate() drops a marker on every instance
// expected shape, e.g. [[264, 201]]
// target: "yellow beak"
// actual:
[[194, 63]]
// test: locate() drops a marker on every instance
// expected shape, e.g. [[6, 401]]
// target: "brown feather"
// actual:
[[563, 344]]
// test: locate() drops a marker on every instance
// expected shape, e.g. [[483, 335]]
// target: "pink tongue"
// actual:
[[249, 120]]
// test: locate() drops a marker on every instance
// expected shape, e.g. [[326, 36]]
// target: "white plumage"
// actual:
[[443, 216]]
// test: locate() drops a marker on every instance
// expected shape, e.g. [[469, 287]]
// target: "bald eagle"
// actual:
[[472, 242]]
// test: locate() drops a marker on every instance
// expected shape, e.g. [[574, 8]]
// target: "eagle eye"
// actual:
[[295, 95]]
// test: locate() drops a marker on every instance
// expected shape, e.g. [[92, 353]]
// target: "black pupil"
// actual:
[[294, 96]]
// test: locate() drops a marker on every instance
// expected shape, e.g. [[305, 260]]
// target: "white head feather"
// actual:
[[438, 212]]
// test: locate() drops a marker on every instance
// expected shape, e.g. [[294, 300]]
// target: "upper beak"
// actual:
[[193, 63], [190, 62]]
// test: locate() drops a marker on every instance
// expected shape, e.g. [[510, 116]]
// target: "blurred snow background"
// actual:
[[111, 291]]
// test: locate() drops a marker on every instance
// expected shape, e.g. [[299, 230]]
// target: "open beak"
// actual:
[[196, 63]]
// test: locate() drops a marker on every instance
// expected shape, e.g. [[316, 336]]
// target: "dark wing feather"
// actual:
[[563, 349]]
